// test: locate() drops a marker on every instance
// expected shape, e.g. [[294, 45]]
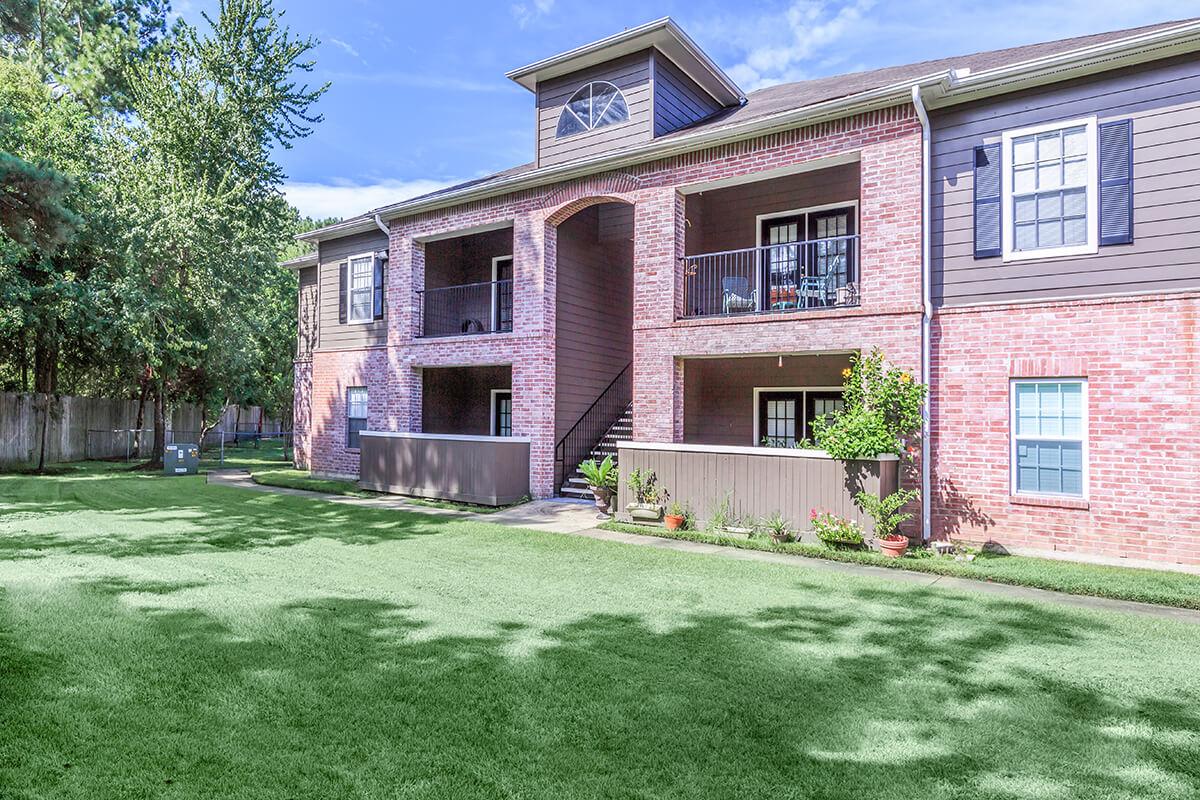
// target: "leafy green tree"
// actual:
[[83, 46], [201, 193]]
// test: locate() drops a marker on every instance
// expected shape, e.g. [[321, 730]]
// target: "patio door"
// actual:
[[782, 263], [501, 412], [820, 404], [779, 418], [830, 263]]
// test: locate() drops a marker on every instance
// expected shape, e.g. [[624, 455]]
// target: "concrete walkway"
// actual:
[[579, 519]]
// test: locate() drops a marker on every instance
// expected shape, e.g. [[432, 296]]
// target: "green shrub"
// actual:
[[881, 414], [602, 475]]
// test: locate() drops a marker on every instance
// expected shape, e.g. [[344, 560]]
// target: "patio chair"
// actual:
[[736, 296]]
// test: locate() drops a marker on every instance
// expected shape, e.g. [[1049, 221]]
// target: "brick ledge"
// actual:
[[1049, 502]]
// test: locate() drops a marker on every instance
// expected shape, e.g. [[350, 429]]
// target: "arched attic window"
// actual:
[[595, 105]]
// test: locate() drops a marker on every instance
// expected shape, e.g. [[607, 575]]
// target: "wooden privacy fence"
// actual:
[[759, 481], [91, 427]]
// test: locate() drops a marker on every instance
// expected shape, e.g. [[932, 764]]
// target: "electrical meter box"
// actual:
[[181, 459]]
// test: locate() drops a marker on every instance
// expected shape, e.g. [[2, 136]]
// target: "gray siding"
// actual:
[[761, 483], [1163, 100], [630, 74], [718, 393], [724, 219], [307, 328], [335, 335], [594, 328], [678, 101]]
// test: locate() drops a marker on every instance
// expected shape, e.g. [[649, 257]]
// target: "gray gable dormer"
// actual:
[[623, 90]]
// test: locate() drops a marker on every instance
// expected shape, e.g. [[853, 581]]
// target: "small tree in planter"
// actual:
[[602, 480], [647, 496], [888, 518], [881, 414]]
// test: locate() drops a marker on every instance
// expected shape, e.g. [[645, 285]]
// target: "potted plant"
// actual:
[[777, 527], [835, 531], [888, 518], [676, 516], [602, 480], [643, 485]]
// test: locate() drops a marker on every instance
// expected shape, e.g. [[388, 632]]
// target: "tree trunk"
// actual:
[[141, 418], [205, 427], [237, 425], [160, 430], [45, 363]]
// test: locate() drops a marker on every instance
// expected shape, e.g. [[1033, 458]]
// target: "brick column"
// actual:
[[657, 379], [302, 414], [533, 376]]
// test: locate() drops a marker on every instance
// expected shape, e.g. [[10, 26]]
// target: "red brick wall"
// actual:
[[1140, 358]]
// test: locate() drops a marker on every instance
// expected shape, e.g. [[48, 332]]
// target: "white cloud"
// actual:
[[801, 39], [345, 199], [345, 46], [774, 53], [526, 12]]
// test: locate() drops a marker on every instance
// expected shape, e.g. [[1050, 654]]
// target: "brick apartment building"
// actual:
[[687, 267]]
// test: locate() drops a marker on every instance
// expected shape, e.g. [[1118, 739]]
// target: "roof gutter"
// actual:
[[926, 307]]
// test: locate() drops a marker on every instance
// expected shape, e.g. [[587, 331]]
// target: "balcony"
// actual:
[[777, 278], [471, 308]]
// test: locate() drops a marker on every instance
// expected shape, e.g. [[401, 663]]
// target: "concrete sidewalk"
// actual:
[[579, 519]]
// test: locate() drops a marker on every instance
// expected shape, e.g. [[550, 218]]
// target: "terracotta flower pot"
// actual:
[[894, 546], [674, 521]]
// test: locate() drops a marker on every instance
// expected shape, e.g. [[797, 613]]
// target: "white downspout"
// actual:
[[379, 223], [926, 306]]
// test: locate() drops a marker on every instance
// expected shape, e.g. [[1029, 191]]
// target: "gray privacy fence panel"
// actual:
[[759, 481], [489, 470], [96, 427]]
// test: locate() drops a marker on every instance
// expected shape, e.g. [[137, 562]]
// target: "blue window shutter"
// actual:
[[1116, 182], [987, 201], [343, 287], [378, 293]]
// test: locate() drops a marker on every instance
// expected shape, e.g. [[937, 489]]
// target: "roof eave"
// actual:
[[1143, 48]]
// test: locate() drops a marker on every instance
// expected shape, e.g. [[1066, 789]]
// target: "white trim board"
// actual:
[[732, 449], [452, 437]]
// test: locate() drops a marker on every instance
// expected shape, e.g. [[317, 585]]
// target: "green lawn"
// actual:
[[1179, 589], [164, 638]]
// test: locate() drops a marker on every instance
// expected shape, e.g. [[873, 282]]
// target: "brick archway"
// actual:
[[567, 201]]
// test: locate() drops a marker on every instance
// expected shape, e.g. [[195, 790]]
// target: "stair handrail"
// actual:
[[618, 394]]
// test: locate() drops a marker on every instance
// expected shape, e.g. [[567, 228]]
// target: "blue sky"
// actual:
[[419, 99]]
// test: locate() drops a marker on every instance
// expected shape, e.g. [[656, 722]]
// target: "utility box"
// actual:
[[181, 459]]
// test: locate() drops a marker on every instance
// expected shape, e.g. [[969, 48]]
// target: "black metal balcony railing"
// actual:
[[818, 273], [469, 308]]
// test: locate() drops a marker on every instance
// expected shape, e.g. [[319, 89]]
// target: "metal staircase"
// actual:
[[620, 431], [607, 421]]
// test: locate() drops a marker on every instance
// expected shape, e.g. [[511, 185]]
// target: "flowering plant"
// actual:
[[833, 530], [882, 411]]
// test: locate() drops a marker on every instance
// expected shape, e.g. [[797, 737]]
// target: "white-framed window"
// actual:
[[1049, 190], [501, 409], [360, 295], [1049, 449], [593, 106], [356, 414]]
